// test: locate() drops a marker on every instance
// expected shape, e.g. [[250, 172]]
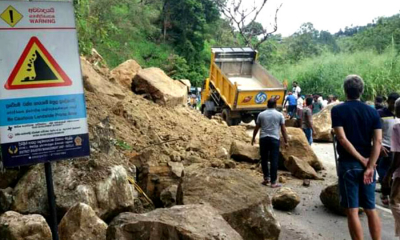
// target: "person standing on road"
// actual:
[[317, 105], [292, 104], [356, 125], [300, 106], [271, 123], [394, 173], [388, 119], [296, 89], [306, 121]]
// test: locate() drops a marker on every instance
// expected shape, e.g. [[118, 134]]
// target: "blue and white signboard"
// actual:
[[42, 103]]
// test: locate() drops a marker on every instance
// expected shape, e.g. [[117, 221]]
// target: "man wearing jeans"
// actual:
[[356, 125], [271, 123], [306, 121]]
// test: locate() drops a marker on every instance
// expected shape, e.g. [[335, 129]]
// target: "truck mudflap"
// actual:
[[257, 99]]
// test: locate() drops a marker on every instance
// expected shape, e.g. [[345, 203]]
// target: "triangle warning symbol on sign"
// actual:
[[36, 68]]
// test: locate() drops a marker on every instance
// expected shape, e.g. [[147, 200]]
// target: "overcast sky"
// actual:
[[331, 15]]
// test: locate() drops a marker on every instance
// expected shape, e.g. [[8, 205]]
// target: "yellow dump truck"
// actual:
[[238, 87]]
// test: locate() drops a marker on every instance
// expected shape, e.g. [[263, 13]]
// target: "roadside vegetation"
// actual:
[[176, 36]]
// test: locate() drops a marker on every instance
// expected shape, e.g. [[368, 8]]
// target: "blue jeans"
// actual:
[[308, 132], [269, 151]]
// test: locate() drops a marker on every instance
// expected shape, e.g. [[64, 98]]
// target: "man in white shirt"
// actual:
[[296, 89]]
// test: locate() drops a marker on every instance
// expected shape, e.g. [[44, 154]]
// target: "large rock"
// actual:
[[299, 147], [9, 177], [6, 199], [159, 87], [96, 83], [241, 151], [108, 196], [323, 124], [190, 222], [240, 199], [125, 73], [81, 222], [14, 226], [156, 173], [331, 199], [300, 168], [285, 199]]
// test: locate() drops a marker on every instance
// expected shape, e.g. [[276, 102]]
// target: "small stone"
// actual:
[[282, 179], [306, 182], [285, 199]]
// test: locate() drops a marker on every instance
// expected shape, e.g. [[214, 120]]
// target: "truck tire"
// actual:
[[226, 116], [247, 118], [208, 109]]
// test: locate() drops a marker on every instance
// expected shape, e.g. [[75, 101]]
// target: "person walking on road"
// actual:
[[388, 119], [356, 125], [271, 123], [306, 121], [394, 173]]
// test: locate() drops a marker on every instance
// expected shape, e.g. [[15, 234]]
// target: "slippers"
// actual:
[[265, 182], [276, 185]]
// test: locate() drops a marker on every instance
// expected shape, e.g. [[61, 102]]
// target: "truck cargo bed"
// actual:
[[247, 83]]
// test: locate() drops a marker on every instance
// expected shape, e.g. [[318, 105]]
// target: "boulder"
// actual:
[[108, 196], [300, 168], [81, 222], [14, 226], [159, 87], [156, 173], [331, 199], [285, 199], [96, 83], [6, 199], [125, 73], [323, 124], [190, 222], [299, 147], [239, 198], [9, 177], [186, 83], [241, 151], [168, 196]]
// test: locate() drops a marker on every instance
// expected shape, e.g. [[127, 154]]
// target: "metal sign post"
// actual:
[[42, 103], [52, 200]]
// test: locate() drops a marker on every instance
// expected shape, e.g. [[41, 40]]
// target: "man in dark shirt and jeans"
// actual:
[[356, 125]]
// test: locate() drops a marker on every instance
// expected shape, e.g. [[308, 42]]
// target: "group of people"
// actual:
[[302, 107], [368, 142]]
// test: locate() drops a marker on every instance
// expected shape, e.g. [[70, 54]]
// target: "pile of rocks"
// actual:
[[156, 142]]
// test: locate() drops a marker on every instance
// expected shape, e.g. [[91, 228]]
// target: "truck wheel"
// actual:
[[226, 116], [247, 118], [208, 109]]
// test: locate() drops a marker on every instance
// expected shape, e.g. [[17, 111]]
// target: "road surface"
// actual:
[[311, 220]]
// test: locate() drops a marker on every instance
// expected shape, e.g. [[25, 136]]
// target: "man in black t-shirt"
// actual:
[[356, 125]]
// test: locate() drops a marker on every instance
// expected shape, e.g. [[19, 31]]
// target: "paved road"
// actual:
[[311, 220]]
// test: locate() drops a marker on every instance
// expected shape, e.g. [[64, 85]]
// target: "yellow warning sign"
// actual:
[[11, 16], [36, 68]]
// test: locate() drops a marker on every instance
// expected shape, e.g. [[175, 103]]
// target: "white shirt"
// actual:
[[300, 103], [296, 91]]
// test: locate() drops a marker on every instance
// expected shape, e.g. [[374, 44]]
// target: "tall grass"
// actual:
[[325, 74]]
